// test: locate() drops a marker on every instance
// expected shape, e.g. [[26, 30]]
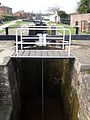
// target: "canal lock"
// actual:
[[60, 100]]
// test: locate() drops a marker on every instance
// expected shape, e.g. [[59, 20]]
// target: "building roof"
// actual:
[[4, 6]]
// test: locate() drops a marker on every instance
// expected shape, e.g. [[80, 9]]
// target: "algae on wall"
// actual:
[[74, 105], [68, 93], [59, 79]]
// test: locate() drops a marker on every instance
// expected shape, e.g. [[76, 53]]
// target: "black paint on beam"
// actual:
[[73, 37]]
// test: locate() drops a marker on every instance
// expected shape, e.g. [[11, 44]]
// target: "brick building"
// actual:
[[22, 14], [4, 10], [83, 21]]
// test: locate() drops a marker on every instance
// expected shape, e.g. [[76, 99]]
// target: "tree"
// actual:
[[63, 14], [64, 17], [54, 9], [83, 6]]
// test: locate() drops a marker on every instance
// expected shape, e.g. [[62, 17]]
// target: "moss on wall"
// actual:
[[68, 93], [74, 105]]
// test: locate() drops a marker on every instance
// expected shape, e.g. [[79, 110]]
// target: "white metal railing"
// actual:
[[42, 39]]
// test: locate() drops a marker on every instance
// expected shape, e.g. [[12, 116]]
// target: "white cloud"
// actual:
[[40, 5]]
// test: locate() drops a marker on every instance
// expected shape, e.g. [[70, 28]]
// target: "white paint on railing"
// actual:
[[42, 38]]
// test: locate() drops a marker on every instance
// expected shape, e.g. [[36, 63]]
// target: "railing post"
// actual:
[[21, 38], [6, 30], [77, 30], [69, 43], [63, 38], [53, 31], [16, 43], [44, 39], [40, 39]]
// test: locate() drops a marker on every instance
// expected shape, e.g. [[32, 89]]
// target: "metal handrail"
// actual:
[[43, 38]]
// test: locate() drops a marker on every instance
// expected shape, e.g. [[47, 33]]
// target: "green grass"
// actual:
[[5, 22], [2, 31], [73, 29], [19, 24], [87, 32], [88, 71]]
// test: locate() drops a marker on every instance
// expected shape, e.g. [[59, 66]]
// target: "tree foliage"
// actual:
[[83, 6], [63, 14]]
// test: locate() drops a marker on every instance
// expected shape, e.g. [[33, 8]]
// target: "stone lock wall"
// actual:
[[5, 94], [15, 89], [68, 92], [75, 91], [9, 92], [81, 83]]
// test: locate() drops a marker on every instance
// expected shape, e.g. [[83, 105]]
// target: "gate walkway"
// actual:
[[43, 54], [42, 36]]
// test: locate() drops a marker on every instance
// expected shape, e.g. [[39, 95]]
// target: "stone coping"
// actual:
[[82, 56], [7, 48]]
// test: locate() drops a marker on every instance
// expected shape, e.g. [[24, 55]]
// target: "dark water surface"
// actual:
[[52, 110]]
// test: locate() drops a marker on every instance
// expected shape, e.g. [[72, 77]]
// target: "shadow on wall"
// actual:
[[68, 93]]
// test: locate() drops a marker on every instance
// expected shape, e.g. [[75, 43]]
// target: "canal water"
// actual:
[[31, 89]]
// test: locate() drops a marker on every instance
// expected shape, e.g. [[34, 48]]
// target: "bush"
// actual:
[[8, 18]]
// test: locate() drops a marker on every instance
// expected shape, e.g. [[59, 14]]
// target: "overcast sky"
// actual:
[[40, 5]]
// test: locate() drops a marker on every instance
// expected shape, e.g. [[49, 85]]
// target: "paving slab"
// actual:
[[82, 54], [7, 48]]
